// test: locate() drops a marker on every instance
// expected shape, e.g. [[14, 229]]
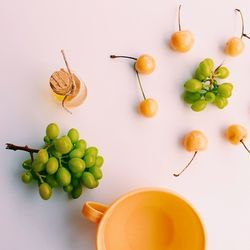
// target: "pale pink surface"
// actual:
[[138, 152]]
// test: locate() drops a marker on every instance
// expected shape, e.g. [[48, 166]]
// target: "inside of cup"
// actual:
[[151, 220]]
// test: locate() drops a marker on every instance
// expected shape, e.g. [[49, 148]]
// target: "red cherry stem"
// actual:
[[137, 74], [179, 17], [242, 25], [31, 151], [247, 149], [176, 175]]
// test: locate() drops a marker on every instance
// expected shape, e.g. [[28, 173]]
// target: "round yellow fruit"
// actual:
[[195, 141], [235, 134], [145, 64], [182, 41], [234, 46], [148, 107]]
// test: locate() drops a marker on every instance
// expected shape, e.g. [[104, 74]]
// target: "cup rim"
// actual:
[[99, 236]]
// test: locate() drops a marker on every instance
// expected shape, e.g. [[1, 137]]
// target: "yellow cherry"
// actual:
[[145, 64], [235, 134], [235, 45], [182, 40], [194, 141], [148, 107]]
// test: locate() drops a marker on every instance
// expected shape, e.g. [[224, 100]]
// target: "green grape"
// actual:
[[222, 72], [55, 153], [76, 165], [76, 153], [76, 192], [199, 105], [38, 166], [27, 164], [52, 131], [209, 62], [68, 188], [46, 139], [26, 177], [73, 134], [88, 180], [209, 96], [229, 85], [78, 175], [45, 191], [96, 172], [225, 90], [63, 145], [89, 160], [91, 151], [220, 102], [193, 85], [191, 97], [51, 180], [63, 176], [205, 69], [42, 155], [198, 75], [74, 181], [81, 144], [52, 165], [99, 161]]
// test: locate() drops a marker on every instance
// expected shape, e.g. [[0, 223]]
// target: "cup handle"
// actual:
[[94, 211]]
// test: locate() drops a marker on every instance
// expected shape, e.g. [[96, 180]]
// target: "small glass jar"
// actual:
[[75, 99]]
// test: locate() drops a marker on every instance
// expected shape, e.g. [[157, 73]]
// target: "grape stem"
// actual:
[[40, 177], [14, 147], [243, 34], [176, 175], [243, 143], [211, 79], [137, 74], [179, 17]]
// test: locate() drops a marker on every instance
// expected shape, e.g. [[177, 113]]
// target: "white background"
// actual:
[[138, 152]]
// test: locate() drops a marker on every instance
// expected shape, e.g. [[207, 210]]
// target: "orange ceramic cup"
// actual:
[[146, 219]]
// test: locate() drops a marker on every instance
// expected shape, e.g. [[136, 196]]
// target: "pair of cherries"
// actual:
[[183, 40], [144, 64], [196, 141]]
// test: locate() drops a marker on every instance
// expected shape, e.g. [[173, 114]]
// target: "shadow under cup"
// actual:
[[148, 219]]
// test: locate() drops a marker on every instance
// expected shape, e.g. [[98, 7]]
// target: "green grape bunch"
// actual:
[[205, 88], [64, 161]]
